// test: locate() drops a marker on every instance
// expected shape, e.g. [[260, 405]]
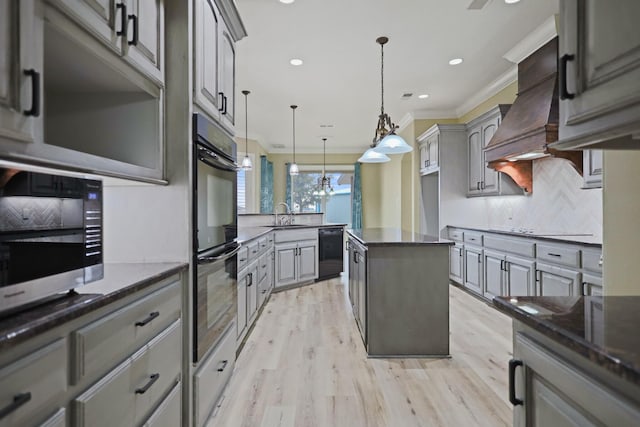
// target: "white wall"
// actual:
[[557, 204]]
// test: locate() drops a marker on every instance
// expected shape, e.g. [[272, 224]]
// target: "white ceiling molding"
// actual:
[[533, 41], [405, 121], [309, 150], [488, 91]]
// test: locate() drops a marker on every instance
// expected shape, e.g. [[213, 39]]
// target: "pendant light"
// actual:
[[293, 169], [246, 162], [324, 182], [372, 156], [385, 139]]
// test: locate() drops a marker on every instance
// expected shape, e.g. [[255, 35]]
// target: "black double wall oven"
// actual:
[[215, 234]]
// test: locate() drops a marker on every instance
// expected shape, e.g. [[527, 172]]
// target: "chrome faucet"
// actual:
[[283, 221]]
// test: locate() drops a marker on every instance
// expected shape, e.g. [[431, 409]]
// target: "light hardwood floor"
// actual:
[[305, 365]]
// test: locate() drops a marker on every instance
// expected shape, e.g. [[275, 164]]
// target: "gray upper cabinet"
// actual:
[[429, 151], [592, 168], [599, 92], [145, 39], [20, 71], [131, 28], [484, 181], [214, 68]]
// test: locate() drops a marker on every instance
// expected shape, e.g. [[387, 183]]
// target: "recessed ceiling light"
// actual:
[[455, 61], [296, 61], [423, 96], [287, 1], [506, 1]]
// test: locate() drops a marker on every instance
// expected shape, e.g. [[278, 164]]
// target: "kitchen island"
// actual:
[[576, 360], [399, 291]]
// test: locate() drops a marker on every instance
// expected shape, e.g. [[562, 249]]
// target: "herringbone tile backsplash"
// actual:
[[30, 213], [558, 203]]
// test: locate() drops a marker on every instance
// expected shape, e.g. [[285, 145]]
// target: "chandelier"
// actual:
[[324, 182], [385, 140]]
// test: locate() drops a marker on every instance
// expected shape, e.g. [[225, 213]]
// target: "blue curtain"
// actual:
[[288, 192], [266, 185], [356, 207]]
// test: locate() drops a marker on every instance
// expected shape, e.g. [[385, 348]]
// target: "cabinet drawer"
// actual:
[[253, 250], [523, 246], [262, 243], [126, 395], [559, 255], [456, 235], [296, 235], [473, 238], [169, 412], [106, 342], [243, 257], [263, 266], [591, 260], [38, 380], [210, 379]]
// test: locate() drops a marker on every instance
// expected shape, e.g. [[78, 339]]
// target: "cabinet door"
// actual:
[[490, 182], [104, 19], [433, 150], [286, 264], [424, 156], [207, 31], [362, 295], [604, 72], [494, 265], [307, 261], [21, 43], [455, 263], [145, 39], [59, 419], [473, 269], [591, 285], [520, 273], [475, 160], [353, 274], [242, 301], [227, 73], [557, 281], [252, 291], [592, 168]]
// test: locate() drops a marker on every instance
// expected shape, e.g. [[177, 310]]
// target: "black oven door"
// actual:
[[215, 298], [215, 199]]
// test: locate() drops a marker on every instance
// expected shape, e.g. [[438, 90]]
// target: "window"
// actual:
[[242, 186], [246, 184]]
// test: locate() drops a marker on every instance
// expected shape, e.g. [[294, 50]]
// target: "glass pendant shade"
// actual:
[[393, 144], [293, 169], [246, 163], [372, 156]]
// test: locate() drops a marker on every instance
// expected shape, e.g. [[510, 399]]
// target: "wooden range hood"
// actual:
[[532, 121]]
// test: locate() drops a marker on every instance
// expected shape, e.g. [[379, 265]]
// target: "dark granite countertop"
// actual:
[[249, 233], [552, 236], [602, 329], [395, 237], [120, 280]]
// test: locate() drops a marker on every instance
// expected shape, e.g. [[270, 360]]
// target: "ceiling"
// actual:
[[339, 82]]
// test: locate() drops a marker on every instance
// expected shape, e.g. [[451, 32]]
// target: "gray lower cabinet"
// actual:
[[507, 275], [169, 412], [548, 390], [212, 376], [494, 277], [473, 269], [30, 387], [286, 257], [252, 290], [135, 386], [59, 419], [358, 285], [296, 256], [591, 285], [456, 263], [242, 303], [556, 281]]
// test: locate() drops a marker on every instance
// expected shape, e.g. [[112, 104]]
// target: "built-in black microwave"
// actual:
[[50, 235]]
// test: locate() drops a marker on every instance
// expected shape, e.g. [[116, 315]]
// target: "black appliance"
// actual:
[[330, 253], [215, 234], [50, 235]]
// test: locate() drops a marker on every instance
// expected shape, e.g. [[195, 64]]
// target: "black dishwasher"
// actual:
[[330, 254]]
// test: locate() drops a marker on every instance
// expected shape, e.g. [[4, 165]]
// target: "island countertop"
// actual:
[[601, 329], [394, 237]]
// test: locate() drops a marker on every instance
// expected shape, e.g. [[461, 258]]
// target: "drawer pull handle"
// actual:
[[152, 379], [148, 319], [123, 19], [134, 40], [513, 364], [555, 255], [18, 401], [564, 92], [34, 111], [224, 365]]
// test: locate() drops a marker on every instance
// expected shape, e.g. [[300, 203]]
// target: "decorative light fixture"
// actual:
[[324, 182], [246, 162], [385, 140], [372, 156], [293, 169]]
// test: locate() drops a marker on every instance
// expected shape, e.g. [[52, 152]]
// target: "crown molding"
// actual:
[[334, 150], [231, 17], [533, 41], [504, 80]]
